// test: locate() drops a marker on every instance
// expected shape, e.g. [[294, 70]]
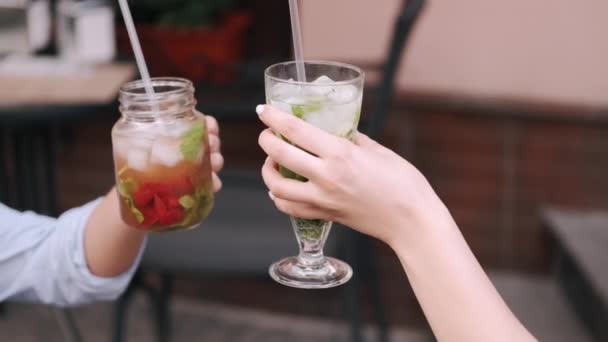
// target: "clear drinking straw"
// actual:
[[297, 40], [139, 55]]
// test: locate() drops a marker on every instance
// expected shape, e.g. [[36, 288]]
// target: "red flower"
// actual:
[[158, 204]]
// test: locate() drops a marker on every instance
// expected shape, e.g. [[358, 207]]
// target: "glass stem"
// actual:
[[311, 253], [312, 243]]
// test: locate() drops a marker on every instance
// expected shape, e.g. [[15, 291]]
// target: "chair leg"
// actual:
[[353, 309], [22, 152], [48, 164], [4, 181], [163, 310], [371, 272], [67, 325], [353, 287], [120, 312]]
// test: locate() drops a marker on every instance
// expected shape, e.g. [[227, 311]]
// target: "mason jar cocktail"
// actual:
[[161, 157]]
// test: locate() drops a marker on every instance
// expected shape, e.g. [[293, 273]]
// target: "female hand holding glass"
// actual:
[[370, 188]]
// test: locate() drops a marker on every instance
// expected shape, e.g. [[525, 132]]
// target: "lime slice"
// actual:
[[301, 110]]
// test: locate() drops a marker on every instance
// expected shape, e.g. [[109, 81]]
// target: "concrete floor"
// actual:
[[535, 300]]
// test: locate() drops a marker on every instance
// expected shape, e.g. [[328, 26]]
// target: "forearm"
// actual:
[[458, 299], [111, 247]]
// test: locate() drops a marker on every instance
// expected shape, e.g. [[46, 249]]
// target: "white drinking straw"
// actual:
[[297, 40], [139, 55]]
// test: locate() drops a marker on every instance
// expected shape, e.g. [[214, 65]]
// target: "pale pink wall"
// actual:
[[554, 50]]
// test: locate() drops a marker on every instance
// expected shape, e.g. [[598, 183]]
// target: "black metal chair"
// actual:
[[362, 254], [245, 221]]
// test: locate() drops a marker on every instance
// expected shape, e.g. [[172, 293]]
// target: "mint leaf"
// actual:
[[187, 220], [201, 205], [138, 215], [126, 187], [187, 201], [191, 141], [301, 110], [309, 229], [202, 193], [123, 170], [298, 111], [287, 173]]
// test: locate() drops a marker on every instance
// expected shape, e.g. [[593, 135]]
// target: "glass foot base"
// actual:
[[331, 273]]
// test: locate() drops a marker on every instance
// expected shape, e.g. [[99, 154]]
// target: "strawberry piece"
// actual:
[[150, 217], [161, 190], [172, 202], [172, 216], [143, 197], [159, 206], [159, 203]]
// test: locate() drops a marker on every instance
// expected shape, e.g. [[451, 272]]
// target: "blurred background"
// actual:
[[501, 104]]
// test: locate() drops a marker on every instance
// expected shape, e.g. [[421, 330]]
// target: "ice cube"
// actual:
[[323, 119], [176, 129], [323, 79], [343, 94], [137, 158], [348, 114], [319, 92], [166, 152], [145, 130], [297, 100], [344, 129], [141, 142], [121, 147], [338, 119], [283, 90], [282, 106], [347, 111], [317, 87]]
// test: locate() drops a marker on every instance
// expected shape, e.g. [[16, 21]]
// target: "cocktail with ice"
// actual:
[[332, 102], [161, 157]]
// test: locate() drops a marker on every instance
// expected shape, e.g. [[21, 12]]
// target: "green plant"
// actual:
[[180, 13]]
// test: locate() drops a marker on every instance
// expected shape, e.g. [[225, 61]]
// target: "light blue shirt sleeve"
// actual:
[[42, 259]]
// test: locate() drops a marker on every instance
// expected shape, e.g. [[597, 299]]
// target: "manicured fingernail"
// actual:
[[271, 195], [259, 109]]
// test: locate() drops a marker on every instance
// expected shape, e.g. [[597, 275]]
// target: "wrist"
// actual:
[[417, 230], [105, 230]]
